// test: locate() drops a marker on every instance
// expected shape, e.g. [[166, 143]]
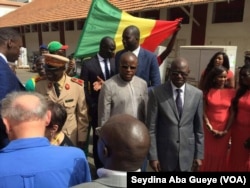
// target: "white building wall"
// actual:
[[234, 34], [6, 9]]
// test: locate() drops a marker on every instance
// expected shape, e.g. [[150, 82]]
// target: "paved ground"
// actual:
[[24, 74]]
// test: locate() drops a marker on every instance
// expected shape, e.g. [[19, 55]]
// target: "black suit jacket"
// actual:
[[90, 70]]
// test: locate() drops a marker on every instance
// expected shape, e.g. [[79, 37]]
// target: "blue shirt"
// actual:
[[33, 162]]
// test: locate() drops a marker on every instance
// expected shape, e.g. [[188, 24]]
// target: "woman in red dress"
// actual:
[[239, 158], [217, 102], [218, 59]]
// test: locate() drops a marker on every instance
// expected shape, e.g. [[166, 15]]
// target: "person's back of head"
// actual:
[[58, 115], [25, 114], [123, 143]]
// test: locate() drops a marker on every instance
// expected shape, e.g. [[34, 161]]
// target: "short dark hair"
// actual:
[[58, 115], [7, 33]]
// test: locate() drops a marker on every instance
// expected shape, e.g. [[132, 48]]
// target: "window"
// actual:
[[45, 27], [152, 14], [176, 12], [80, 24], [55, 26], [34, 28], [136, 14], [227, 12], [27, 28], [69, 25]]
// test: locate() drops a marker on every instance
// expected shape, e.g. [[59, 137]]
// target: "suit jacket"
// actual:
[[9, 83], [147, 69], [72, 97], [175, 139], [109, 181], [90, 70]]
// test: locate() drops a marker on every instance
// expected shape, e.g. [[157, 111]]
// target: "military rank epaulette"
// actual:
[[39, 78], [78, 81]]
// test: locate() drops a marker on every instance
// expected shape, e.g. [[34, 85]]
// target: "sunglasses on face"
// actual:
[[127, 67], [177, 73], [52, 69]]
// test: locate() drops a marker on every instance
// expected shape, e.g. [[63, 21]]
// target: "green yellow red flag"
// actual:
[[104, 19]]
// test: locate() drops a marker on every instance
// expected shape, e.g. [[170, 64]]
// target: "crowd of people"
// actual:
[[174, 126]]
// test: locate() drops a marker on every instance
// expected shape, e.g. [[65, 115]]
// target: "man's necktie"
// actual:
[[56, 86], [179, 101], [107, 74]]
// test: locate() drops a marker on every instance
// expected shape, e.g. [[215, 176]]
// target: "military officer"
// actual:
[[57, 86]]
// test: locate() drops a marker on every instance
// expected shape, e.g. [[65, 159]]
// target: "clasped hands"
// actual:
[[214, 132]]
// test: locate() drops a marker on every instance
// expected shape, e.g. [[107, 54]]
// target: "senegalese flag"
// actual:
[[104, 19]]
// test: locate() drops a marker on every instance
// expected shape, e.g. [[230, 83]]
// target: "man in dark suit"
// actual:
[[94, 71], [10, 44], [148, 68], [174, 119]]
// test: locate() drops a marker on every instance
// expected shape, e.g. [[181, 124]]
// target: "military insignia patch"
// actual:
[[50, 85], [67, 86], [78, 81]]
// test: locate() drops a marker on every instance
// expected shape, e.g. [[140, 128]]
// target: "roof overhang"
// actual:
[[44, 11]]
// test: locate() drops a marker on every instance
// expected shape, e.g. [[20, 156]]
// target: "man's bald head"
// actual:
[[124, 143], [25, 114]]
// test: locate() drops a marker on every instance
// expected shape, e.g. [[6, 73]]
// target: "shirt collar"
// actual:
[[182, 88], [136, 51], [3, 56], [103, 172], [62, 80], [25, 143], [100, 58]]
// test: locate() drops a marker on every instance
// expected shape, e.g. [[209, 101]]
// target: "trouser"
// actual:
[[97, 161]]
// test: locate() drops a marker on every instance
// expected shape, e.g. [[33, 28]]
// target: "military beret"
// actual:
[[55, 60]]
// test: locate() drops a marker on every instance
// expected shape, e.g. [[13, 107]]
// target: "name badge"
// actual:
[[69, 100]]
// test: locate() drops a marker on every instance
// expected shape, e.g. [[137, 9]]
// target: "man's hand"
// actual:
[[97, 85], [196, 165], [155, 165]]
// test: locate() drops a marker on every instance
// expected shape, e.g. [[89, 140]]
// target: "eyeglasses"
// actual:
[[176, 73], [127, 67]]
